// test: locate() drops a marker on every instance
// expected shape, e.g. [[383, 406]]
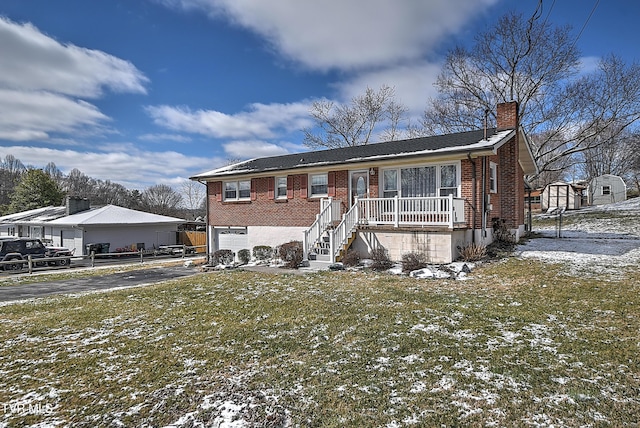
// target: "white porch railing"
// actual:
[[341, 234], [425, 211], [329, 212], [444, 211]]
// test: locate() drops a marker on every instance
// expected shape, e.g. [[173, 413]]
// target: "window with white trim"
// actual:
[[319, 185], [448, 180], [493, 177], [390, 183], [237, 190], [606, 190], [281, 188], [421, 181]]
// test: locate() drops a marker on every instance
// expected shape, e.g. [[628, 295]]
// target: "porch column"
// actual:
[[396, 220]]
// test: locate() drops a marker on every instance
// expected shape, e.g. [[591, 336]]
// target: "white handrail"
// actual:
[[323, 220], [340, 235]]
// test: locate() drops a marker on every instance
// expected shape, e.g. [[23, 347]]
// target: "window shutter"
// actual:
[[217, 189], [271, 184], [331, 185], [303, 186], [289, 186], [254, 193]]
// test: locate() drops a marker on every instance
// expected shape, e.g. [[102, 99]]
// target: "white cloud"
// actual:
[[165, 137], [260, 121], [589, 64], [34, 61], [346, 34], [120, 163], [43, 84], [253, 149], [413, 84], [31, 115]]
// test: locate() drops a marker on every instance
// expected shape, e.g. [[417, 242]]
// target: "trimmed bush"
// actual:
[[352, 258], [381, 260], [413, 261], [291, 254], [244, 256], [262, 252], [223, 257]]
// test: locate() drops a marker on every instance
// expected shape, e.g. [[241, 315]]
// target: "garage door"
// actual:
[[232, 239]]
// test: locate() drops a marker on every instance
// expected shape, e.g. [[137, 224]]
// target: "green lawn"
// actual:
[[520, 343]]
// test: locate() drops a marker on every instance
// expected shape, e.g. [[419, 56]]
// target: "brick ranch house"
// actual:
[[429, 194]]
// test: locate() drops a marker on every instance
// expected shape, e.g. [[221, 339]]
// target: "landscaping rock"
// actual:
[[336, 266]]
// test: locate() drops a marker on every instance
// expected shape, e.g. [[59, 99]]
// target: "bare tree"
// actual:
[[193, 197], [345, 125], [161, 199], [517, 59], [106, 192], [77, 183], [536, 64], [613, 155]]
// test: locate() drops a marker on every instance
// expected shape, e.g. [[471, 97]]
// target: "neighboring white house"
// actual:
[[607, 189], [76, 225], [561, 195]]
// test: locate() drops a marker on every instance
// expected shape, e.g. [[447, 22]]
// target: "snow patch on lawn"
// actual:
[[590, 245]]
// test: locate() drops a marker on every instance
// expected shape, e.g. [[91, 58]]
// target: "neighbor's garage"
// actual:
[[234, 239]]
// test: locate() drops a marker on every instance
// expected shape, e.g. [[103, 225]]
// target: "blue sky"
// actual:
[[143, 92]]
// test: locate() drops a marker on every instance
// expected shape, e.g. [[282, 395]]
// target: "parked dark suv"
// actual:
[[17, 250]]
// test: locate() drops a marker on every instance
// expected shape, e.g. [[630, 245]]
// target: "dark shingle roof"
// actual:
[[462, 141]]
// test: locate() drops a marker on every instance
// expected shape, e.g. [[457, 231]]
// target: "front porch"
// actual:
[[331, 235]]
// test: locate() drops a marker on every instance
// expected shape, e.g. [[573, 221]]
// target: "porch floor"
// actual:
[[411, 228]]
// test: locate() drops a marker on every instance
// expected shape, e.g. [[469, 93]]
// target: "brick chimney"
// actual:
[[507, 116], [509, 171], [76, 204]]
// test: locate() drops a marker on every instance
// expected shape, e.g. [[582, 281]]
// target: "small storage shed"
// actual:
[[607, 189], [561, 195]]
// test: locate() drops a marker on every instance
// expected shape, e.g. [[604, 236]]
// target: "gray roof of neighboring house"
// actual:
[[114, 215], [461, 142], [35, 216], [106, 215]]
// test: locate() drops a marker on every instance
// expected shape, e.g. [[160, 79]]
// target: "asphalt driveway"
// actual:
[[98, 282]]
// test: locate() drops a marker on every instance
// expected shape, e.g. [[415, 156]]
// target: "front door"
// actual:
[[359, 185]]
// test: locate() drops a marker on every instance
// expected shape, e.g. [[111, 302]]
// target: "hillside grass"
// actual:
[[623, 220], [522, 343]]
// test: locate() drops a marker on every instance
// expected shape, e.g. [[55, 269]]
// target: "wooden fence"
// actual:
[[194, 239]]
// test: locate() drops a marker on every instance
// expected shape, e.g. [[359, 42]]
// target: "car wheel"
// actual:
[[64, 262], [13, 266]]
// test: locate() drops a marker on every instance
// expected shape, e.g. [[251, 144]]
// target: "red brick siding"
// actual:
[[511, 184], [264, 210], [466, 175]]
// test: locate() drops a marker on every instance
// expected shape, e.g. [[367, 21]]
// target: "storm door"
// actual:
[[359, 185]]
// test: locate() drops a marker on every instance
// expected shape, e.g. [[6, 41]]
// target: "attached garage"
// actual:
[[232, 238]]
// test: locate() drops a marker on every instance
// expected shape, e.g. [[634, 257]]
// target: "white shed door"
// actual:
[[233, 239]]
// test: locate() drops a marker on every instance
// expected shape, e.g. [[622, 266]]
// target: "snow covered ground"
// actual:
[[593, 240], [441, 349]]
